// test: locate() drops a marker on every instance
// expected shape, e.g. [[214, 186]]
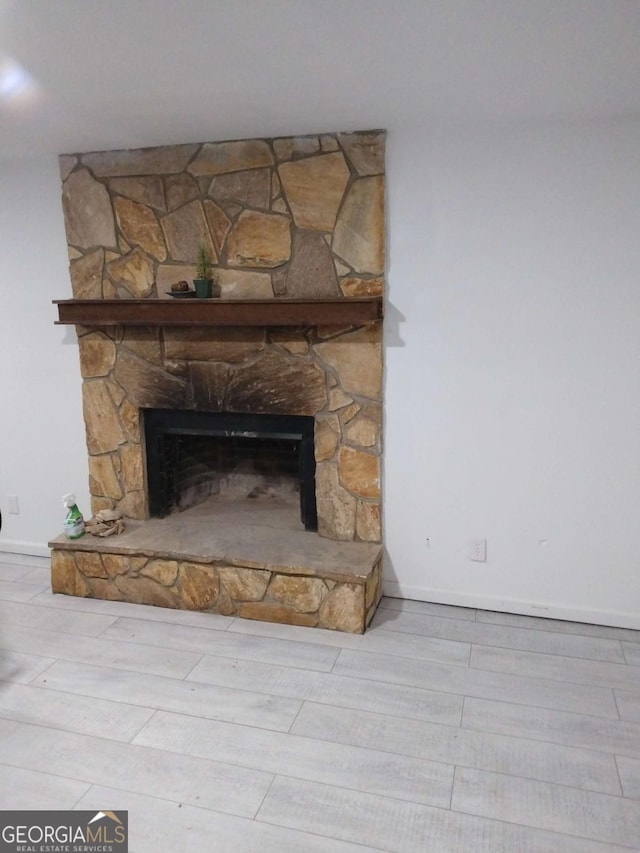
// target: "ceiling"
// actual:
[[79, 75]]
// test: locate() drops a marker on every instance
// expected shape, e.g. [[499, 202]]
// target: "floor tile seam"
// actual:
[[141, 616], [473, 696], [534, 740], [433, 615], [615, 758], [321, 700], [261, 820], [596, 684], [167, 623], [313, 740], [589, 634], [208, 653], [628, 662], [617, 704], [524, 630], [51, 662], [394, 654], [510, 648], [570, 659], [386, 716], [459, 762], [582, 791], [75, 695], [541, 829], [367, 791], [66, 658], [107, 740], [166, 800]]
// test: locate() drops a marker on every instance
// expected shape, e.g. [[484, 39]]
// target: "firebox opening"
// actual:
[[192, 456]]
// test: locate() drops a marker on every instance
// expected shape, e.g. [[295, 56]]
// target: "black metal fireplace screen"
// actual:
[[193, 455]]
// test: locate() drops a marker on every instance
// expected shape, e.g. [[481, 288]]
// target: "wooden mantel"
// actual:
[[219, 312]]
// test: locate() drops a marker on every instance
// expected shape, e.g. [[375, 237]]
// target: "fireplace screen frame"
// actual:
[[161, 424]]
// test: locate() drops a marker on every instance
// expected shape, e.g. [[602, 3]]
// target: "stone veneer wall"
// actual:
[[300, 217]]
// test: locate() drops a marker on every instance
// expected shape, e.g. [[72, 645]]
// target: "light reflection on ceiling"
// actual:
[[17, 86]]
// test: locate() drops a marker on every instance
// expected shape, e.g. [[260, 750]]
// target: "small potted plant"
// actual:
[[204, 273]]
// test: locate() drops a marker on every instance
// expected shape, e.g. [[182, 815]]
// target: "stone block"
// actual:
[[357, 358], [89, 564], [185, 229], [146, 384], [311, 272], [146, 591], [277, 384], [97, 354], [134, 271], [140, 227], [199, 586], [365, 151], [336, 506], [260, 240], [291, 147], [314, 188], [180, 190], [343, 609], [359, 472], [86, 275], [145, 190], [302, 594], [369, 522], [216, 158], [358, 238], [87, 212], [103, 479], [164, 572], [162, 160], [231, 345], [327, 437], [132, 467], [267, 612], [103, 428], [244, 584], [250, 189], [115, 564], [354, 287], [219, 224], [63, 573], [240, 284], [103, 589]]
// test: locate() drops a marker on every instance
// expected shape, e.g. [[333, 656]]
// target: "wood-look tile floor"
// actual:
[[441, 729]]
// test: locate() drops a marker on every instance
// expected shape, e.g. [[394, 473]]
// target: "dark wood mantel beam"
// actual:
[[219, 312]]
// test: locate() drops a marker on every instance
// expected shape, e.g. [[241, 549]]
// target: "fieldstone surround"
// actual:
[[295, 217]]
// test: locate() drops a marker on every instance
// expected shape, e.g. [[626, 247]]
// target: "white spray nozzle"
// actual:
[[69, 500]]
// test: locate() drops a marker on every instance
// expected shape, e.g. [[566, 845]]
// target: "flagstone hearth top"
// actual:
[[238, 533], [219, 312]]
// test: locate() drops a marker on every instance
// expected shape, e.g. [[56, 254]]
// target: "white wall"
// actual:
[[513, 377], [42, 442], [512, 365]]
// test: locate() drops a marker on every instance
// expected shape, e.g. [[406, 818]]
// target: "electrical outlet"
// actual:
[[478, 550], [13, 505]]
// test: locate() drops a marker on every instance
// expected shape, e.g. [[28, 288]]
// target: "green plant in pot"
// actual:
[[203, 282]]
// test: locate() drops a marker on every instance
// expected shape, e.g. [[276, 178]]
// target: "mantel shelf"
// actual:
[[219, 312]]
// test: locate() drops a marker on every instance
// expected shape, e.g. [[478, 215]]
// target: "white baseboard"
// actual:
[[24, 553], [613, 618]]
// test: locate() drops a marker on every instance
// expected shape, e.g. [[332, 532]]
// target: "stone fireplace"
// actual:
[[292, 222]]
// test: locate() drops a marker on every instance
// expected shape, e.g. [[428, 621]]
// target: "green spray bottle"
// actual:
[[74, 522]]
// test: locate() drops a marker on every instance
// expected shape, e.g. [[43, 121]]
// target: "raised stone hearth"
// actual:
[[251, 562], [295, 218]]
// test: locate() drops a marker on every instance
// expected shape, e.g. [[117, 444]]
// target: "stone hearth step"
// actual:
[[260, 569]]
